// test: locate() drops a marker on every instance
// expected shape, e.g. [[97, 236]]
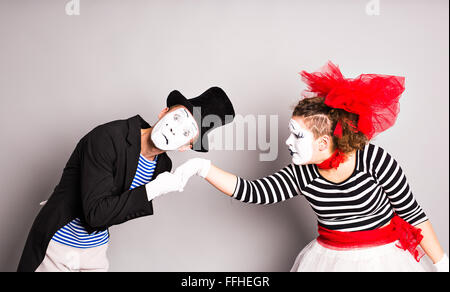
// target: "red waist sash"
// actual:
[[407, 235]]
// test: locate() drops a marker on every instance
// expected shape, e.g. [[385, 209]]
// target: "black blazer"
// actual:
[[95, 187]]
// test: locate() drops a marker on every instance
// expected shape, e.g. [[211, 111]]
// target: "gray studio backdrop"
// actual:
[[61, 74]]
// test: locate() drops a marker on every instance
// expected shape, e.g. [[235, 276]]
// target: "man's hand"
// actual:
[[165, 182], [194, 166]]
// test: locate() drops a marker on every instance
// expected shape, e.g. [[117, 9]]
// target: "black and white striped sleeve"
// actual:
[[391, 177], [271, 189]]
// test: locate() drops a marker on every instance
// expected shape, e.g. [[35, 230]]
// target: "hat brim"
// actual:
[[176, 98]]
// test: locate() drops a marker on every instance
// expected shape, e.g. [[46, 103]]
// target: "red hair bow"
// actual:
[[374, 98]]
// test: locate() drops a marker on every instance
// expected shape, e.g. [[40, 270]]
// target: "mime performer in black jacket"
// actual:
[[112, 176]]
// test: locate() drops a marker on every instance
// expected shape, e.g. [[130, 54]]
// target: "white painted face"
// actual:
[[174, 130], [300, 143]]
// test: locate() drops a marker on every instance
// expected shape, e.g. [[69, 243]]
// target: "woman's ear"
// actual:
[[163, 112], [324, 142]]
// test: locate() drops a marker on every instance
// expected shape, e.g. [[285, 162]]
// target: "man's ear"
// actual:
[[185, 147], [163, 112]]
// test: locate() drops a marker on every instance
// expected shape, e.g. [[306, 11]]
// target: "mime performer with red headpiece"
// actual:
[[368, 218]]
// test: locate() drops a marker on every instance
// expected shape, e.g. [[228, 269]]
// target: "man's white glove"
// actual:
[[165, 182], [442, 265], [194, 166]]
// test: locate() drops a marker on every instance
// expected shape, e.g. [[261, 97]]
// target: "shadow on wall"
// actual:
[[42, 176], [294, 221]]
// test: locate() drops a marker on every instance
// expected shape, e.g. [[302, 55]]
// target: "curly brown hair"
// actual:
[[322, 120]]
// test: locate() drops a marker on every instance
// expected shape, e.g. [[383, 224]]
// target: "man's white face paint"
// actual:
[[300, 143], [174, 130]]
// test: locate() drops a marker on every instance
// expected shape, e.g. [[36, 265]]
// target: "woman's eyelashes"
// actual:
[[298, 135]]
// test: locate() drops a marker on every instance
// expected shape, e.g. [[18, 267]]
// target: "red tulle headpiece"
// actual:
[[374, 98]]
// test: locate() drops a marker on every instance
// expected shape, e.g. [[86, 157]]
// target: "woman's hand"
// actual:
[[442, 265]]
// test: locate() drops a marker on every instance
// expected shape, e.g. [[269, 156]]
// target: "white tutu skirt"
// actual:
[[385, 258]]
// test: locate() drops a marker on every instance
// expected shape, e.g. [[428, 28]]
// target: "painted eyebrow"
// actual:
[[297, 132], [293, 127], [187, 115]]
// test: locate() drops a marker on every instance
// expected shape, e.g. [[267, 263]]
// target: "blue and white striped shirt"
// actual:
[[75, 235]]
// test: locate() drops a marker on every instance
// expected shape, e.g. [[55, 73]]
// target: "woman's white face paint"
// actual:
[[300, 143], [174, 130]]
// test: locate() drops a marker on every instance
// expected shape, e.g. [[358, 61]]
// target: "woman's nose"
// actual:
[[288, 141]]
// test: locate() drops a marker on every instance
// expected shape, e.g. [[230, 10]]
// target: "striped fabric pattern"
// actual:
[[144, 172], [365, 201], [75, 235]]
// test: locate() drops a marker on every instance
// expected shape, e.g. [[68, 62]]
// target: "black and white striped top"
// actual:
[[365, 201]]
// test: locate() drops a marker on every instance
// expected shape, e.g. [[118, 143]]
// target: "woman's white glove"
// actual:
[[442, 265], [164, 183], [194, 166]]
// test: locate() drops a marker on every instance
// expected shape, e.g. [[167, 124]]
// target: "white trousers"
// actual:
[[64, 258]]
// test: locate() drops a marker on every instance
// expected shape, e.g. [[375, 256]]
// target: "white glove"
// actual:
[[165, 182], [194, 166], [442, 265]]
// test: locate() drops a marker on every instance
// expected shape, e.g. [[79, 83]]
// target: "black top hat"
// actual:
[[213, 101]]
